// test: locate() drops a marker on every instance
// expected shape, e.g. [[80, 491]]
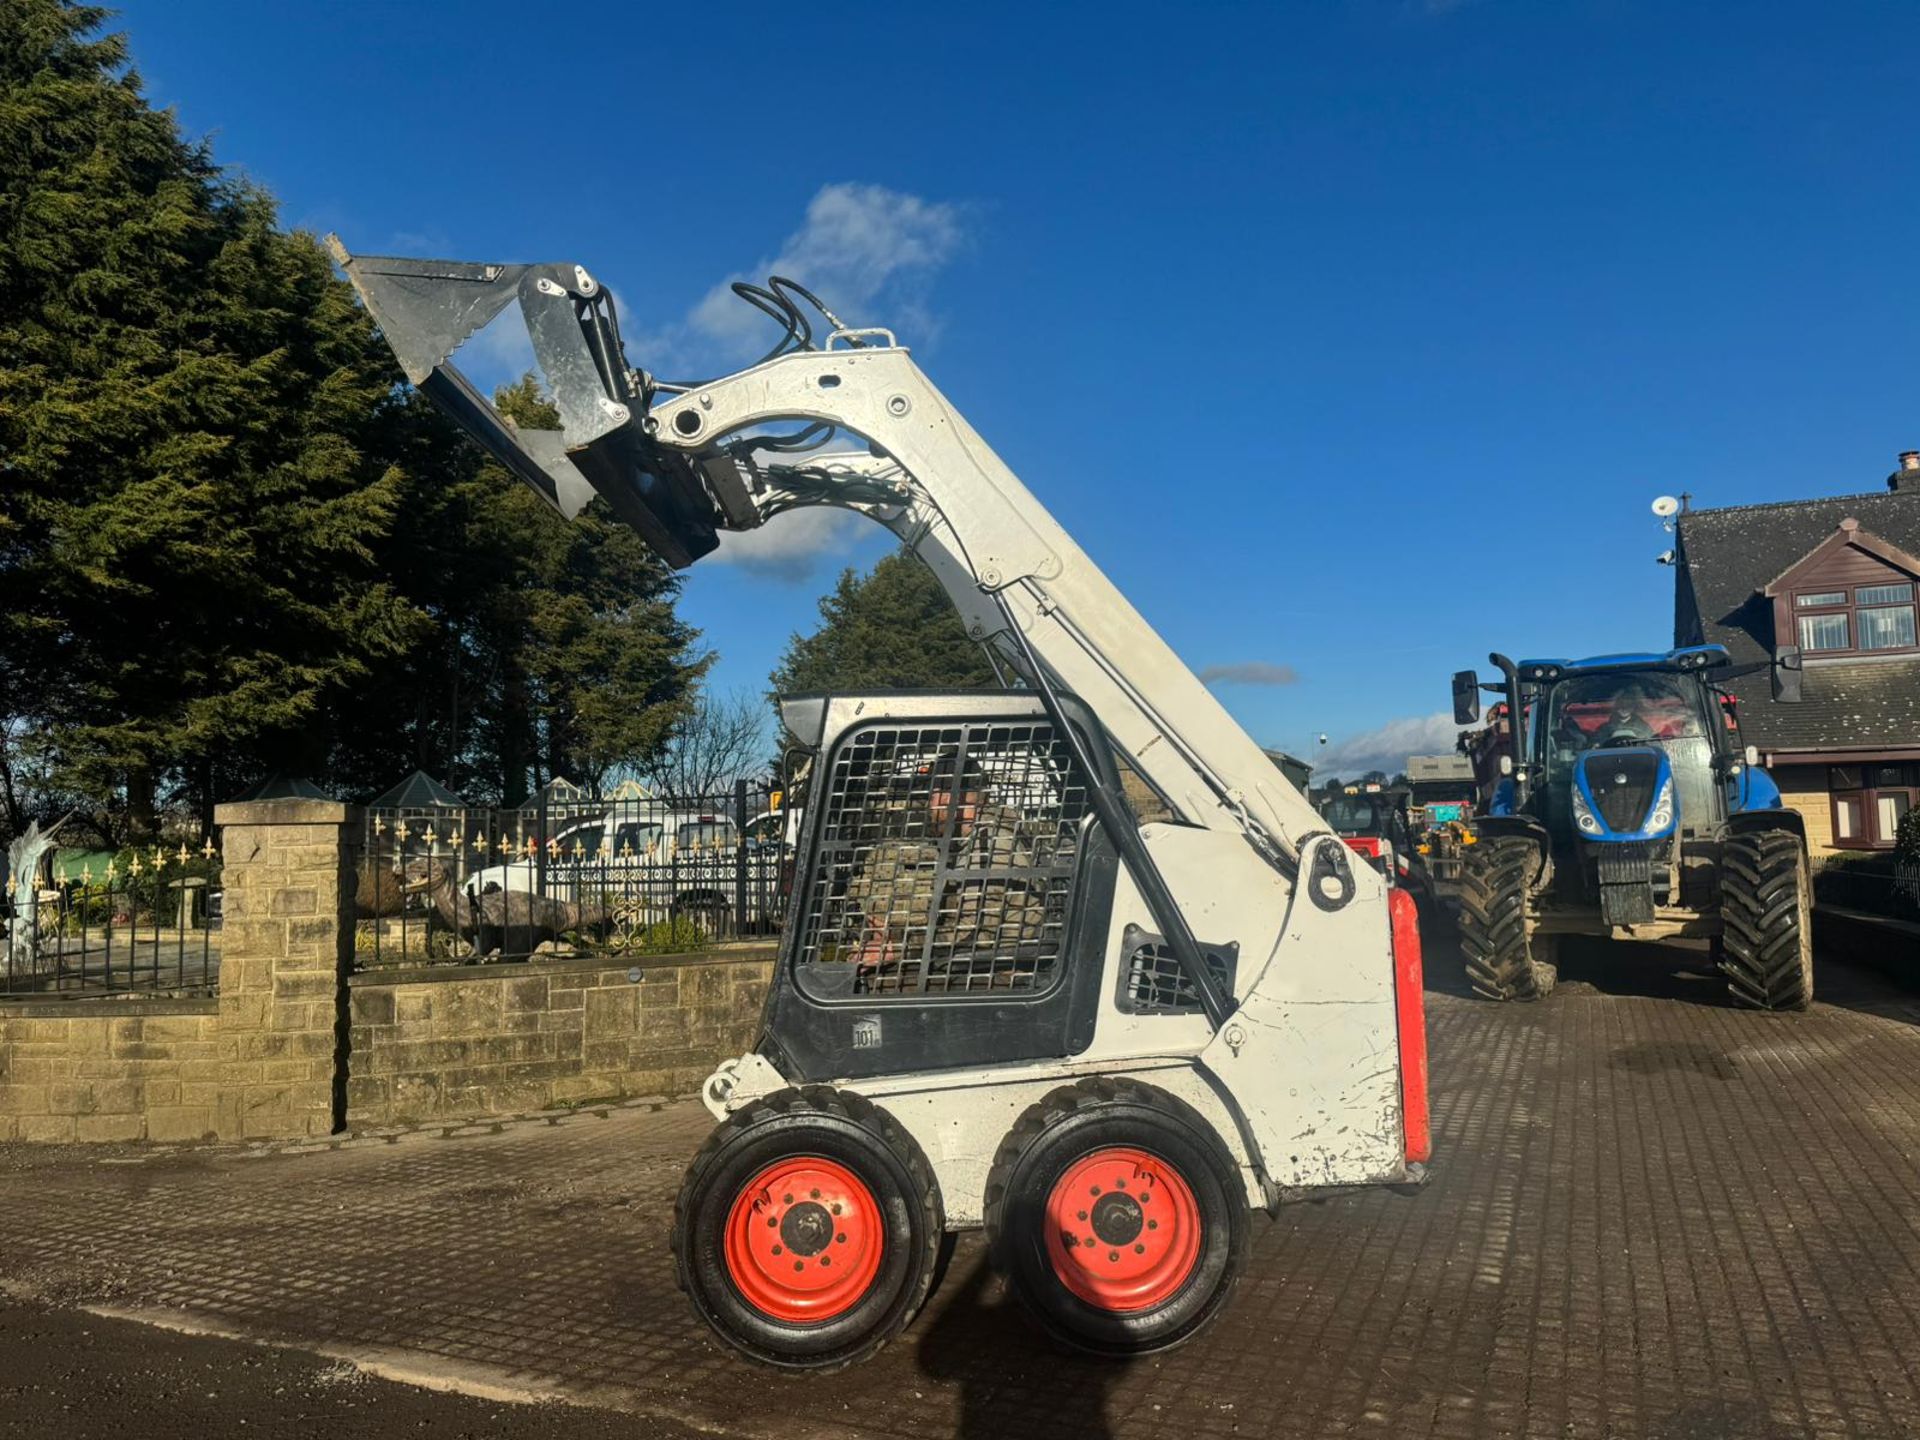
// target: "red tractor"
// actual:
[[1372, 818]]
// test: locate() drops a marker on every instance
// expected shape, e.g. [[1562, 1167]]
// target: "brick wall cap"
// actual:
[[287, 812], [107, 1007], [445, 972]]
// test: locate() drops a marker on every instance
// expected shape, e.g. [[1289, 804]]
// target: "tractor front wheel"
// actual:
[[1117, 1216], [808, 1229], [1766, 943], [1491, 912]]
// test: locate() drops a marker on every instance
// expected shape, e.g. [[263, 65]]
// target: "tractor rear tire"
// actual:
[[1766, 949], [1117, 1216], [809, 1229], [1491, 911]]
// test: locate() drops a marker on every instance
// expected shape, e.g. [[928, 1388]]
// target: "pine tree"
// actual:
[[892, 628], [231, 540], [554, 648], [587, 629], [188, 504]]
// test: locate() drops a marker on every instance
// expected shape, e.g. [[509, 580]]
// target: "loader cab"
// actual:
[[951, 888]]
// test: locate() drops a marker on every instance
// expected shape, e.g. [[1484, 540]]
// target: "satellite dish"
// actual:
[[1666, 505]]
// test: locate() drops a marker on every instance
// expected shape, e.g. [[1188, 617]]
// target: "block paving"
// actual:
[[1649, 1215]]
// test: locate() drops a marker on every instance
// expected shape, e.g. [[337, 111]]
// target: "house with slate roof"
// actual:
[[1837, 577]]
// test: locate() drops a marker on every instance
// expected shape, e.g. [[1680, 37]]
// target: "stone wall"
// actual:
[[291, 1049], [1803, 788], [260, 1062], [445, 1041], [109, 1069], [285, 949]]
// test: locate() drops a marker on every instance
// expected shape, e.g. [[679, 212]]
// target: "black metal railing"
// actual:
[[634, 876], [1868, 883], [146, 920]]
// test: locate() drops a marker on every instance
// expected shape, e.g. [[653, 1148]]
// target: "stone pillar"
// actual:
[[286, 946]]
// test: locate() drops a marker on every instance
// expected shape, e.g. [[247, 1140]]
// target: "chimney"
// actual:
[[1907, 477]]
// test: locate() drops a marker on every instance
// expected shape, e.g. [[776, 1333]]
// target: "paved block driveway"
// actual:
[[1651, 1215]]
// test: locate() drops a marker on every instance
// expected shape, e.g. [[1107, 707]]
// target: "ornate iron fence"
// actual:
[[467, 885], [146, 920]]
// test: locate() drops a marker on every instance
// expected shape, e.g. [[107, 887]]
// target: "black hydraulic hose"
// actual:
[[1118, 821], [1514, 720]]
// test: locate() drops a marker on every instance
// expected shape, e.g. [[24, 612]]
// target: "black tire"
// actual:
[[1490, 910], [909, 1224], [1766, 949], [1088, 1119]]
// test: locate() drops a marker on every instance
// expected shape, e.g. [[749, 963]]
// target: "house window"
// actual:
[[1824, 632], [1886, 617], [1888, 807], [1869, 801], [1866, 618]]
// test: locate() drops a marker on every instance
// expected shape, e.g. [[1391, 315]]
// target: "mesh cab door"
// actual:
[[951, 906]]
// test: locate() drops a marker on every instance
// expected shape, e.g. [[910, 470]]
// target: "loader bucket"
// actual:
[[426, 309]]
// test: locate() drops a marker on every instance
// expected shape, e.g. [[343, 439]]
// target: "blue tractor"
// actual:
[[1629, 808]]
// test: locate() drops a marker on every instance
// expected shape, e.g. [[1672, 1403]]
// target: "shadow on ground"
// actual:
[[979, 1343]]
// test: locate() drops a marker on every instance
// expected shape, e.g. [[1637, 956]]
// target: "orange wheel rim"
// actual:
[[1123, 1230], [804, 1240]]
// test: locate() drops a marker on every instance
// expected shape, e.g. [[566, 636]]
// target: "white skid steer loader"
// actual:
[[1005, 996]]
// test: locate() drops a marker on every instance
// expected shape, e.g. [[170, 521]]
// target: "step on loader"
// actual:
[[1003, 998]]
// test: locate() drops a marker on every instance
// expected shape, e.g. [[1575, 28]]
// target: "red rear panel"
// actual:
[[1410, 1001]]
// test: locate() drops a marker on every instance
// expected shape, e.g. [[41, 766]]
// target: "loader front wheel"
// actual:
[[1491, 912], [1766, 943], [808, 1229], [1117, 1216]]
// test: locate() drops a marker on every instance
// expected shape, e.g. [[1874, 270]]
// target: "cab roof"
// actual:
[[1688, 658]]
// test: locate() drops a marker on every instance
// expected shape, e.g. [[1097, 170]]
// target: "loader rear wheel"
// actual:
[[1766, 946], [1491, 911], [1117, 1216], [808, 1230]]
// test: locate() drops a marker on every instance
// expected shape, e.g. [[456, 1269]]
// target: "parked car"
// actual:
[[653, 866]]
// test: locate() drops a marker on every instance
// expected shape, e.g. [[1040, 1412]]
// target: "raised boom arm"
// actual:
[[681, 463]]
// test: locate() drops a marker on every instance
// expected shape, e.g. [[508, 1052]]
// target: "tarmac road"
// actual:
[[1650, 1214], [68, 1375]]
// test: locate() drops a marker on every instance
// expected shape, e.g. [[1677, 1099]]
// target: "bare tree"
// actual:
[[725, 738]]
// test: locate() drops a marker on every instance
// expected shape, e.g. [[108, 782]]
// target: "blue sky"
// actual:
[[1353, 338]]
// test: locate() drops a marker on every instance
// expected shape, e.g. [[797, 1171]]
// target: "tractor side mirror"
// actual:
[[1466, 697], [1786, 675]]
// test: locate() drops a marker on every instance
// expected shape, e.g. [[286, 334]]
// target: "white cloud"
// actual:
[[1387, 747], [1250, 672], [789, 546], [863, 249]]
